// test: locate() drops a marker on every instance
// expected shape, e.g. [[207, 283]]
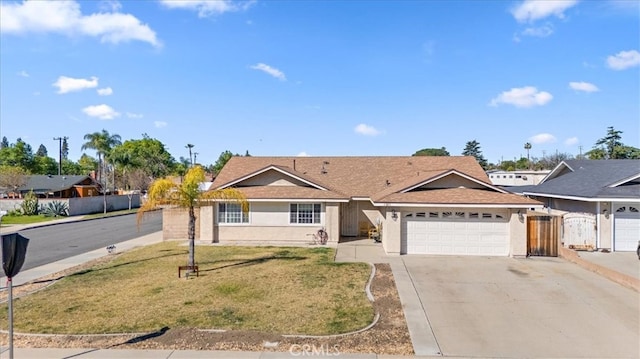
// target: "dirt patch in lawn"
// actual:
[[389, 335]]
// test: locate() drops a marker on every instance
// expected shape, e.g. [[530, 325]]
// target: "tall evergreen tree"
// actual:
[[42, 151], [65, 149], [472, 148]]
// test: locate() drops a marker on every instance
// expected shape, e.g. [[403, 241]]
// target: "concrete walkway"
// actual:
[[365, 250]]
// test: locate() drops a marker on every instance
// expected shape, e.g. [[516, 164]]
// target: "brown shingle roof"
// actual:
[[377, 178], [354, 176]]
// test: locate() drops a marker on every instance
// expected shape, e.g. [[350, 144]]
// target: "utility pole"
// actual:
[[60, 139]]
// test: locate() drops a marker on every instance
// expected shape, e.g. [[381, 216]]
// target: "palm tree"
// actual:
[[190, 146], [102, 143], [166, 193], [527, 146]]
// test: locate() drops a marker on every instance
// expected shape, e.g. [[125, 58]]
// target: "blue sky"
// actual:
[[322, 78]]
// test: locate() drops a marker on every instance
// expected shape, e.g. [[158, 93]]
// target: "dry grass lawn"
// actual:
[[268, 289]]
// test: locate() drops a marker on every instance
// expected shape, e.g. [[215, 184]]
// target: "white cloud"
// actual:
[[270, 70], [542, 138], [23, 73], [134, 115], [584, 86], [110, 5], [303, 154], [208, 7], [571, 141], [65, 17], [527, 96], [624, 60], [366, 130], [107, 91], [103, 112], [540, 31], [69, 84], [160, 124], [532, 10]]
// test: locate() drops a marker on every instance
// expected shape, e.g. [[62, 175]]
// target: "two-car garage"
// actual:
[[464, 232]]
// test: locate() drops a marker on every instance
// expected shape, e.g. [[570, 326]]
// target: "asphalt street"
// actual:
[[49, 244]]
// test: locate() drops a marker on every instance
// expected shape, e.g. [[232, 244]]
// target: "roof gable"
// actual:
[[273, 176], [591, 179]]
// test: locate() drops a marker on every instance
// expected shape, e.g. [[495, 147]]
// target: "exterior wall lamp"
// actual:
[[394, 214], [520, 215], [606, 213]]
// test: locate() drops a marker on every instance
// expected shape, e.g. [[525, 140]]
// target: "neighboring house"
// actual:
[[421, 205], [607, 191], [50, 186], [516, 178]]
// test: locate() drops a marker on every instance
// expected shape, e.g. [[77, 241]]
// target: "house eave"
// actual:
[[459, 205], [584, 199]]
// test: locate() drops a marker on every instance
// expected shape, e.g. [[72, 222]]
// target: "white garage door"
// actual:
[[626, 228], [455, 233]]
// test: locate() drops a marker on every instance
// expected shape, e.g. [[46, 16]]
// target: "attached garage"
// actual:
[[469, 232], [626, 227]]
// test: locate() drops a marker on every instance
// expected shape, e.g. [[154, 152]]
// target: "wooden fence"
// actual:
[[542, 235]]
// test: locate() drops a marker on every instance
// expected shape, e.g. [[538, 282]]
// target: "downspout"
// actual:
[[598, 225]]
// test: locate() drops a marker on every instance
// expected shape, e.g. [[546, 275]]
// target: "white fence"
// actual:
[[81, 205]]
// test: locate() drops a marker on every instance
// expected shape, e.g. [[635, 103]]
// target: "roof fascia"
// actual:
[[275, 168], [584, 199], [468, 205], [444, 174], [555, 171], [623, 181], [289, 200]]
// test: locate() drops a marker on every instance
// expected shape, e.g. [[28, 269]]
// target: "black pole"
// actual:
[[10, 287]]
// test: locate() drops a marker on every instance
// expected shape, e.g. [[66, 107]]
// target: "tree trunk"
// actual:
[[192, 238]]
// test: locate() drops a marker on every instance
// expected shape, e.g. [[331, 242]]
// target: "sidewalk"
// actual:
[[24, 353]]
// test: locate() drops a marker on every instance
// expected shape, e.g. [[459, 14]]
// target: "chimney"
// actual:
[[294, 164]]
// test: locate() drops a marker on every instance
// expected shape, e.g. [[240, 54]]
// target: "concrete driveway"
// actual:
[[517, 308]]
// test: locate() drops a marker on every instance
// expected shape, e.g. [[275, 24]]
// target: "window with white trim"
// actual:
[[231, 213], [303, 213]]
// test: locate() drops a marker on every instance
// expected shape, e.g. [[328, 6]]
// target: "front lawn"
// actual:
[[270, 289], [26, 219]]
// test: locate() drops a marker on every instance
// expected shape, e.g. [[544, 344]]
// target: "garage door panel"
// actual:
[[627, 232], [478, 236]]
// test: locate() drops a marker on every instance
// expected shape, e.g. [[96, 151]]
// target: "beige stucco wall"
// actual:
[[391, 231], [518, 234], [272, 178], [175, 223], [269, 224], [605, 225]]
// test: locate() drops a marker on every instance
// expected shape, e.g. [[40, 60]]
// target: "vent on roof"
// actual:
[[387, 182]]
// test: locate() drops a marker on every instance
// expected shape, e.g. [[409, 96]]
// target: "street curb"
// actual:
[[617, 277]]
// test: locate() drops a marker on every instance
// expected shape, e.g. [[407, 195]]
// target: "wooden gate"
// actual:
[[542, 235]]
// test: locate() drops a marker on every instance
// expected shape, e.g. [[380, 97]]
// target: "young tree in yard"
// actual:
[[12, 177], [166, 193], [472, 148]]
